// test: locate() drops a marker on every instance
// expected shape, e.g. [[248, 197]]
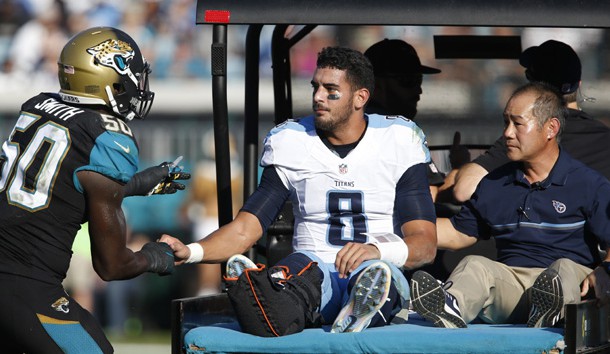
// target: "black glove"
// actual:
[[160, 257], [157, 180], [458, 154]]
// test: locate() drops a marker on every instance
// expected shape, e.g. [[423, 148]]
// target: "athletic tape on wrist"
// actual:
[[392, 247], [196, 253]]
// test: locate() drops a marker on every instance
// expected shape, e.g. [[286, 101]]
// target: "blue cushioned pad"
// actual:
[[415, 336]]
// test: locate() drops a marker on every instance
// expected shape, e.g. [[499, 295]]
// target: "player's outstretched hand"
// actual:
[[160, 179], [181, 252], [160, 257]]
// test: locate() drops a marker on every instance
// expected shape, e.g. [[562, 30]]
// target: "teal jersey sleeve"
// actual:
[[114, 156]]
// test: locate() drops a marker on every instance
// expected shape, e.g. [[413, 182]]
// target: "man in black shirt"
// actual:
[[398, 80], [584, 138]]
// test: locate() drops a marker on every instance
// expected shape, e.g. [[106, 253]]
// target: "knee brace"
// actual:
[[270, 302]]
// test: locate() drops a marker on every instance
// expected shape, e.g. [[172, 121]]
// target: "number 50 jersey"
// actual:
[[42, 203], [337, 200]]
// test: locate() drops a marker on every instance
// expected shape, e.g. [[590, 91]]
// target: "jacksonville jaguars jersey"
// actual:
[[42, 203], [337, 200]]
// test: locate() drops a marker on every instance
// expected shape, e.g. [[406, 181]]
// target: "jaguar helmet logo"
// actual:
[[61, 305], [114, 54]]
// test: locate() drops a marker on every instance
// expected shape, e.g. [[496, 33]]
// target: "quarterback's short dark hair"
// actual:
[[358, 68]]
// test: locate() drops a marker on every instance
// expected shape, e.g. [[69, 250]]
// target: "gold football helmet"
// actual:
[[104, 66]]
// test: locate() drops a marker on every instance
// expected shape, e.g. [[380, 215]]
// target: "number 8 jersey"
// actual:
[[42, 203], [336, 200]]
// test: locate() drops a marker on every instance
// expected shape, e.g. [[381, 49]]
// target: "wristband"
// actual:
[[392, 248], [196, 253]]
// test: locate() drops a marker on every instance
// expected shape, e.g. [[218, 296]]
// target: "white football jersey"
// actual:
[[336, 200]]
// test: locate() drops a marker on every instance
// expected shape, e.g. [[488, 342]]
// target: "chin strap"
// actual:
[[114, 105]]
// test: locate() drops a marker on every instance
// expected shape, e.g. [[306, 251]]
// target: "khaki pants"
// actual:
[[497, 293]]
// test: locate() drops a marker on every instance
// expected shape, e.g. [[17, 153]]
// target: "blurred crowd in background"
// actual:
[[33, 32]]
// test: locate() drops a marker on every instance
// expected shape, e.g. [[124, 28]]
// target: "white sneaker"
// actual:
[[368, 295], [237, 264]]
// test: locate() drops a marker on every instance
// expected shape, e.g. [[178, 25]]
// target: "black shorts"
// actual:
[[38, 317]]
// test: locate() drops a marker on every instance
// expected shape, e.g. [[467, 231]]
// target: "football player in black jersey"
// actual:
[[72, 158]]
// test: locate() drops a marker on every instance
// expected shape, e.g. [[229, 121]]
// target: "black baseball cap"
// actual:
[[553, 62], [396, 57]]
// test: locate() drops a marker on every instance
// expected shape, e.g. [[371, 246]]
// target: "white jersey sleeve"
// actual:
[[337, 200]]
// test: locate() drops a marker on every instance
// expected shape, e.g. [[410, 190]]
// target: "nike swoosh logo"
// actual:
[[126, 149]]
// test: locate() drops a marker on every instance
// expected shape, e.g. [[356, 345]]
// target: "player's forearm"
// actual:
[[421, 253], [420, 237], [112, 260], [118, 265], [236, 237]]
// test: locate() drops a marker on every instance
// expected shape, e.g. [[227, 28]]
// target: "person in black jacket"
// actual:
[[398, 87], [584, 138]]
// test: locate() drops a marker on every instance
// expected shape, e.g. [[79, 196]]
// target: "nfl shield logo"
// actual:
[[342, 168]]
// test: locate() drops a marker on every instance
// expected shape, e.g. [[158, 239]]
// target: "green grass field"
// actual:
[[149, 343]]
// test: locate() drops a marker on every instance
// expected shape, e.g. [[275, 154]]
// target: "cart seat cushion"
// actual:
[[415, 336]]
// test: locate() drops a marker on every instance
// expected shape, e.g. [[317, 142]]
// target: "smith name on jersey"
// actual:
[[342, 198], [49, 144]]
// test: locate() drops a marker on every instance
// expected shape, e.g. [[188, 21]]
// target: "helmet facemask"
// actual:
[[131, 97]]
